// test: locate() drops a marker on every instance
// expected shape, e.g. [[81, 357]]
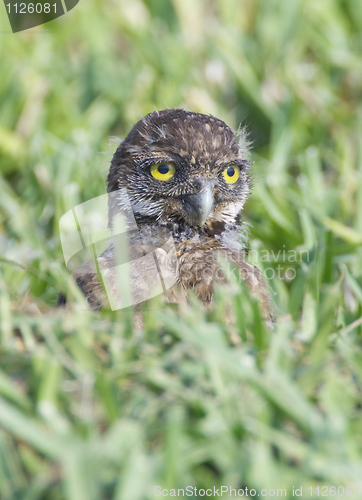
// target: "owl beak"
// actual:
[[199, 205]]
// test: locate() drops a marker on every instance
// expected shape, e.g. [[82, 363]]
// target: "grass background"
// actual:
[[90, 409]]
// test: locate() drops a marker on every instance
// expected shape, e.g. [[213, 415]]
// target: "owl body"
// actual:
[[187, 173]]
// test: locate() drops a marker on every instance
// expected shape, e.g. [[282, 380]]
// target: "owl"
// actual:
[[186, 173]]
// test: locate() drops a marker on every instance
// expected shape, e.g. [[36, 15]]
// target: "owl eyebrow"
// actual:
[[242, 163], [150, 160]]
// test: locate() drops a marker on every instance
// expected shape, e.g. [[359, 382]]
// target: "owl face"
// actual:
[[181, 167]]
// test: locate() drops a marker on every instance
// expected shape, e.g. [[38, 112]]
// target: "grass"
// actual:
[[92, 409]]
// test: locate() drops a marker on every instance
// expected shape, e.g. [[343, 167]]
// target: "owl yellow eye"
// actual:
[[231, 174], [163, 171]]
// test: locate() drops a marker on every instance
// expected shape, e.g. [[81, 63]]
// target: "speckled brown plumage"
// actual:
[[200, 147]]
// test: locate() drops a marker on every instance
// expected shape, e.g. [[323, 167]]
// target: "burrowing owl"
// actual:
[[186, 172]]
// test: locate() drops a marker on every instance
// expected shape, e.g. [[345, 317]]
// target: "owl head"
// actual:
[[183, 168]]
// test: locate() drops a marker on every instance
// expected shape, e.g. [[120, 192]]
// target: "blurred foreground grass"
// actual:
[[90, 409]]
